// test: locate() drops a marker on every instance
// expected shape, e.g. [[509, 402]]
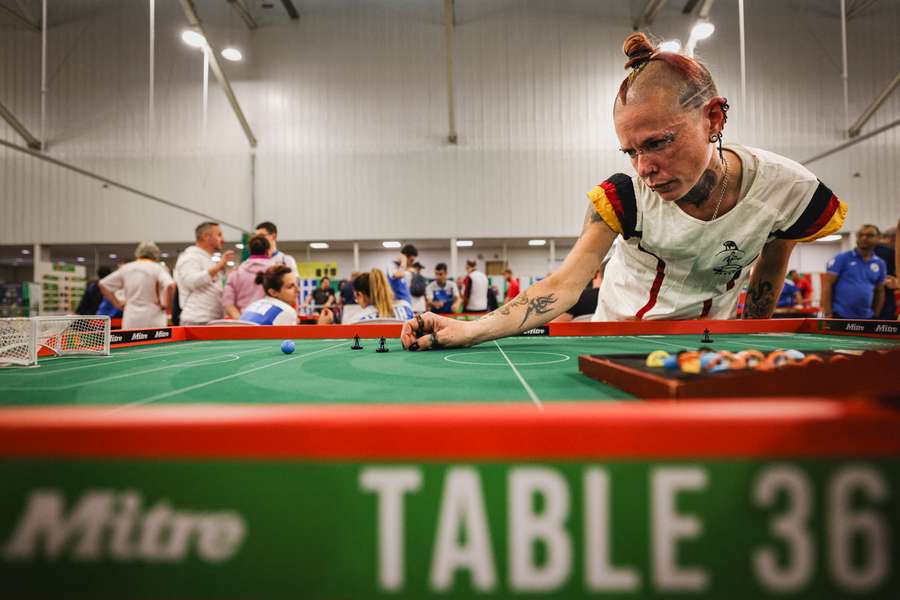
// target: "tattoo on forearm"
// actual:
[[539, 306], [760, 301], [698, 194], [533, 306]]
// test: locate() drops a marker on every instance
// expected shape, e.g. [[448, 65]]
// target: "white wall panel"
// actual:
[[349, 105]]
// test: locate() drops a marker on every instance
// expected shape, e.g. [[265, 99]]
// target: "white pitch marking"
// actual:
[[531, 394], [564, 357], [221, 379], [199, 361]]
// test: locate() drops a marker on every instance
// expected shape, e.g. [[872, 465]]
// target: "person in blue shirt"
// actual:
[[442, 294], [279, 305], [790, 295], [376, 301], [853, 286]]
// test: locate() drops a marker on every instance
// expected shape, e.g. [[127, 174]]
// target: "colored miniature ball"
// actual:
[[794, 355], [708, 360], [657, 358], [287, 346], [670, 363], [810, 359]]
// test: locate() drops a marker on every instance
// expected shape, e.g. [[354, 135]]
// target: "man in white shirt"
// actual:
[[199, 280], [476, 288], [268, 229], [147, 286]]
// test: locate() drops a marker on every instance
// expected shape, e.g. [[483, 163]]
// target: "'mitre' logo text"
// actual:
[[105, 524]]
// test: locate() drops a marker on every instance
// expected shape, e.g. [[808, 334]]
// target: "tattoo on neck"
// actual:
[[698, 194], [760, 301]]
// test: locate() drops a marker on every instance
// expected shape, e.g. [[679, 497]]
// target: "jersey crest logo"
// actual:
[[729, 259], [874, 267]]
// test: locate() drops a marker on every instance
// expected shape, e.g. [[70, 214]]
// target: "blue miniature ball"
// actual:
[[287, 346]]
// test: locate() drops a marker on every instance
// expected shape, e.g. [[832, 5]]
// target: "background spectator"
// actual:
[[853, 287], [92, 297], [442, 295], [148, 289], [375, 298], [346, 289], [476, 289], [268, 229], [322, 296], [199, 283], [885, 251], [241, 289], [804, 287], [790, 294], [417, 287], [512, 285], [279, 304]]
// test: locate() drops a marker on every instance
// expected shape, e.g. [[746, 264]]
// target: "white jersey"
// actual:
[[673, 266], [402, 312], [143, 283], [270, 311], [477, 292]]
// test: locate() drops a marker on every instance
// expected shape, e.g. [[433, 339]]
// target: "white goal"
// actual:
[[21, 339]]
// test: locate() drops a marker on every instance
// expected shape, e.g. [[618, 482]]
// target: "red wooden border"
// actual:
[[566, 431]]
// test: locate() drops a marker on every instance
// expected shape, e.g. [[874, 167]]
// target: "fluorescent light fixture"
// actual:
[[230, 263], [830, 238], [26, 251], [81, 259], [165, 255], [232, 54], [391, 244], [114, 256], [239, 246], [464, 243], [537, 242], [670, 46], [702, 30], [193, 39], [319, 245]]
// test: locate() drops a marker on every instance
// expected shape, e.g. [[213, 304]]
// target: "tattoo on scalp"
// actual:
[[760, 301], [698, 194]]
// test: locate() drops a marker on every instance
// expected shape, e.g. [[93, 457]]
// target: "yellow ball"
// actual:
[[656, 358]]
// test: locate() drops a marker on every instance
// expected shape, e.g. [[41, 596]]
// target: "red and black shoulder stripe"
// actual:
[[615, 202], [823, 215]]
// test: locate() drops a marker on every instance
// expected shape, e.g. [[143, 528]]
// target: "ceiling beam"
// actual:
[[449, 27], [13, 122], [651, 9], [291, 9], [193, 18], [876, 104], [845, 145], [20, 18], [703, 13], [689, 7], [242, 10]]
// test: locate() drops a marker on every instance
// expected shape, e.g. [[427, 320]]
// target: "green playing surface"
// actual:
[[524, 369]]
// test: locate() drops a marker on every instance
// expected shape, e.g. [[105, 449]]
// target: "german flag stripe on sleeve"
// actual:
[[824, 215], [615, 202]]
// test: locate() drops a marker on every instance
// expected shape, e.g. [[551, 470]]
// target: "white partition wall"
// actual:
[[349, 106]]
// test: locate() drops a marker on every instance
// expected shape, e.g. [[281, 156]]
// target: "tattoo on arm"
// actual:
[[760, 301], [533, 306], [591, 216]]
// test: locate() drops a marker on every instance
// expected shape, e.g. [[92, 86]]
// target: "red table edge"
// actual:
[[732, 326], [730, 429]]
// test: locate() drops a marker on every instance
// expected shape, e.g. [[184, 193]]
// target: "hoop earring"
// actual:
[[721, 154]]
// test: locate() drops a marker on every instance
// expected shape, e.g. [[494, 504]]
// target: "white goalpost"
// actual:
[[21, 339]]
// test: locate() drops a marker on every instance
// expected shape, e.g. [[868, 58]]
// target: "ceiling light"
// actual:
[[670, 46], [230, 263], [232, 54], [193, 39], [537, 242], [165, 255], [81, 259], [702, 30], [319, 245], [391, 244], [464, 243], [239, 246], [114, 256], [830, 238], [24, 251]]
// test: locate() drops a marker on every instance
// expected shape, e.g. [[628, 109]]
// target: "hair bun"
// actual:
[[639, 49]]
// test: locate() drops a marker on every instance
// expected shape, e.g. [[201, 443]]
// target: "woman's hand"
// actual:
[[430, 331], [326, 317]]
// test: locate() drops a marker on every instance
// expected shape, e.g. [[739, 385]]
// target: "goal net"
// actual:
[[21, 339]]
